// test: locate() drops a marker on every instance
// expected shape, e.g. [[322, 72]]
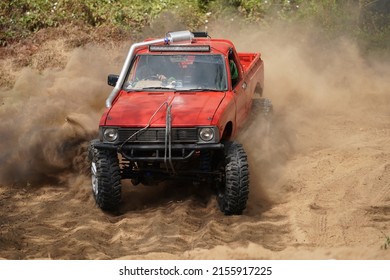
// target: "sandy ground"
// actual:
[[320, 182]]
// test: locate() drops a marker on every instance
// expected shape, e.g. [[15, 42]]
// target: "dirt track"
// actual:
[[320, 183]]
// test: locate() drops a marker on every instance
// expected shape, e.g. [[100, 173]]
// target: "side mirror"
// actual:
[[112, 79]]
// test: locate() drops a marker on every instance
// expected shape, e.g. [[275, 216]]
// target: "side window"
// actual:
[[233, 69]]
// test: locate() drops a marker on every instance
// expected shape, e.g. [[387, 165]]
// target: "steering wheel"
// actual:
[[154, 78]]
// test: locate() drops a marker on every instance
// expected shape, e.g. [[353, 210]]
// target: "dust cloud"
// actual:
[[309, 79], [48, 117], [319, 178]]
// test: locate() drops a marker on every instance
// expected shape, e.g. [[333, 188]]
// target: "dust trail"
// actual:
[[308, 78], [48, 117]]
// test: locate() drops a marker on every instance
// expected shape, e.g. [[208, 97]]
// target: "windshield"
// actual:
[[177, 72]]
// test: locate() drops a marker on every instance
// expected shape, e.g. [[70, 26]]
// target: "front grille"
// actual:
[[157, 135]]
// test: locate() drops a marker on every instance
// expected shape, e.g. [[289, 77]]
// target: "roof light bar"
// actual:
[[200, 34], [179, 48]]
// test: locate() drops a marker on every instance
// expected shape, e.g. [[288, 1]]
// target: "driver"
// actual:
[[154, 68]]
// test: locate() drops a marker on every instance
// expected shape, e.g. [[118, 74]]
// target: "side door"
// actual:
[[239, 88]]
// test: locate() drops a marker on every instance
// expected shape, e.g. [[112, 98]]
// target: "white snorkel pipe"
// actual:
[[171, 37]]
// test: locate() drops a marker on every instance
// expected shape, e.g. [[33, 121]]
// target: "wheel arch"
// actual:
[[258, 90], [227, 132]]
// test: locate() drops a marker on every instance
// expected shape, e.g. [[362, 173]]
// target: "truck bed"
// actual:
[[247, 59]]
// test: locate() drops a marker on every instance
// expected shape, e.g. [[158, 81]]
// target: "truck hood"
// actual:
[[136, 109]]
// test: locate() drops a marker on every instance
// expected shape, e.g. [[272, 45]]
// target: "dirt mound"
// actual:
[[319, 181]]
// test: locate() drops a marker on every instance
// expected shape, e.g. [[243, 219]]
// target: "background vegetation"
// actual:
[[367, 20]]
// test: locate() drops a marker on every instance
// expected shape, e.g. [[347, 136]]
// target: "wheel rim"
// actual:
[[94, 178]]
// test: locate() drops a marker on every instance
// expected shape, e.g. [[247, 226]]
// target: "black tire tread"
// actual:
[[262, 106], [236, 191], [109, 179]]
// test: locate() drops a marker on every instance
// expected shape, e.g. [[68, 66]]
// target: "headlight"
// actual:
[[206, 134], [110, 134]]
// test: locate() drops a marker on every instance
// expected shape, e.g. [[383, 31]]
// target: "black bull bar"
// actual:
[[155, 152]]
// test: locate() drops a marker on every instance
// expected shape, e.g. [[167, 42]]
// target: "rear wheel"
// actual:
[[106, 178], [263, 107], [260, 118], [233, 191]]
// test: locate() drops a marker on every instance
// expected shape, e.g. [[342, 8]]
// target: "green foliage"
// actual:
[[20, 18], [386, 244]]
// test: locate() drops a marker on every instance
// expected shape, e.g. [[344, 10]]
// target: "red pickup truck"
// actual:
[[174, 113]]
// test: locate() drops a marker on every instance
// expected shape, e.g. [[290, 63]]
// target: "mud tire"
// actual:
[[263, 107], [106, 178], [260, 115], [233, 193]]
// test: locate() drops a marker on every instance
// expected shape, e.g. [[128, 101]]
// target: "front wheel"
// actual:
[[106, 178], [233, 191]]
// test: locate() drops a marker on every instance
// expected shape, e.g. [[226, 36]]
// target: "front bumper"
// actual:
[[157, 152]]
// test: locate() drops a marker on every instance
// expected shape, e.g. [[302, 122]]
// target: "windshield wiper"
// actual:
[[164, 88], [175, 89], [202, 89]]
